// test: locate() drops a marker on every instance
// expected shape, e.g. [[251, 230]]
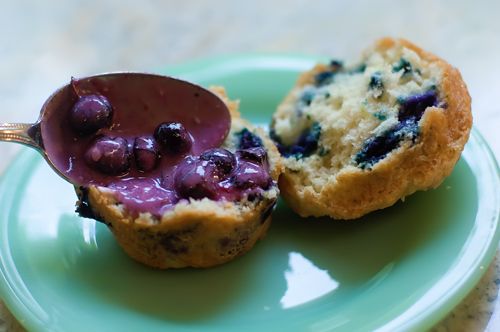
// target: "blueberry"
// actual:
[[146, 153], [358, 69], [247, 139], [268, 211], [83, 208], [376, 85], [410, 112], [250, 175], [173, 243], [110, 155], [414, 106], [223, 159], [307, 96], [306, 144], [377, 147], [196, 178], [258, 155], [403, 65], [336, 65], [381, 115], [323, 78], [308, 141], [327, 76], [90, 113], [173, 137], [277, 140]]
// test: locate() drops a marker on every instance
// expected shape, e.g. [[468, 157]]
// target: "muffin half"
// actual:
[[223, 203], [357, 138]]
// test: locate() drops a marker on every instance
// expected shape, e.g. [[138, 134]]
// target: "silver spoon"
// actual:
[[139, 101]]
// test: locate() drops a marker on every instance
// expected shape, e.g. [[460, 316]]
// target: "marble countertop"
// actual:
[[43, 43]]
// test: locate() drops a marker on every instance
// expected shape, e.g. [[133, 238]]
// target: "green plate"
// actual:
[[403, 268]]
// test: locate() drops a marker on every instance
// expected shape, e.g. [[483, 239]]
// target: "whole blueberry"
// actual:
[[257, 154], [223, 159], [173, 137], [250, 175], [110, 155], [196, 178], [247, 139], [146, 153], [90, 113]]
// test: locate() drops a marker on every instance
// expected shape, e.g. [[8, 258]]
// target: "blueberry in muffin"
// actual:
[[357, 138]]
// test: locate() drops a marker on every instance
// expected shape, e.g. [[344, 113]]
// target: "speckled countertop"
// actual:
[[43, 43]]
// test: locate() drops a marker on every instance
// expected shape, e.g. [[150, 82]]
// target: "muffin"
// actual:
[[359, 137], [222, 205]]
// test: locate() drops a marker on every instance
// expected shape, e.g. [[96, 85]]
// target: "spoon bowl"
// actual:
[[139, 103]]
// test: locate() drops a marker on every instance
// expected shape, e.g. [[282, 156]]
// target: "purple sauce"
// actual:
[[194, 177], [140, 103], [197, 177], [152, 140], [144, 195]]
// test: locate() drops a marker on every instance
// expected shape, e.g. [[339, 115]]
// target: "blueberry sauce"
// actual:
[[139, 104], [199, 177], [305, 145], [160, 147], [144, 194]]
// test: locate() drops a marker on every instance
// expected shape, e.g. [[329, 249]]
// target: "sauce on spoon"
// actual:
[[152, 140], [139, 103]]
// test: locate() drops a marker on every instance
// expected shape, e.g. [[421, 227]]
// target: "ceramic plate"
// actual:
[[403, 268]]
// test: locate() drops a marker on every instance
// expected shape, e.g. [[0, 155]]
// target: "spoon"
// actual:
[[138, 103]]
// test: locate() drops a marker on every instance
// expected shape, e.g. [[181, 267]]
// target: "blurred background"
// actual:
[[44, 43]]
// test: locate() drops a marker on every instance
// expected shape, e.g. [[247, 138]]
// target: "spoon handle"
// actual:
[[24, 133]]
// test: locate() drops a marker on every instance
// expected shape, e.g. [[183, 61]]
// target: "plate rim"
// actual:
[[32, 318]]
